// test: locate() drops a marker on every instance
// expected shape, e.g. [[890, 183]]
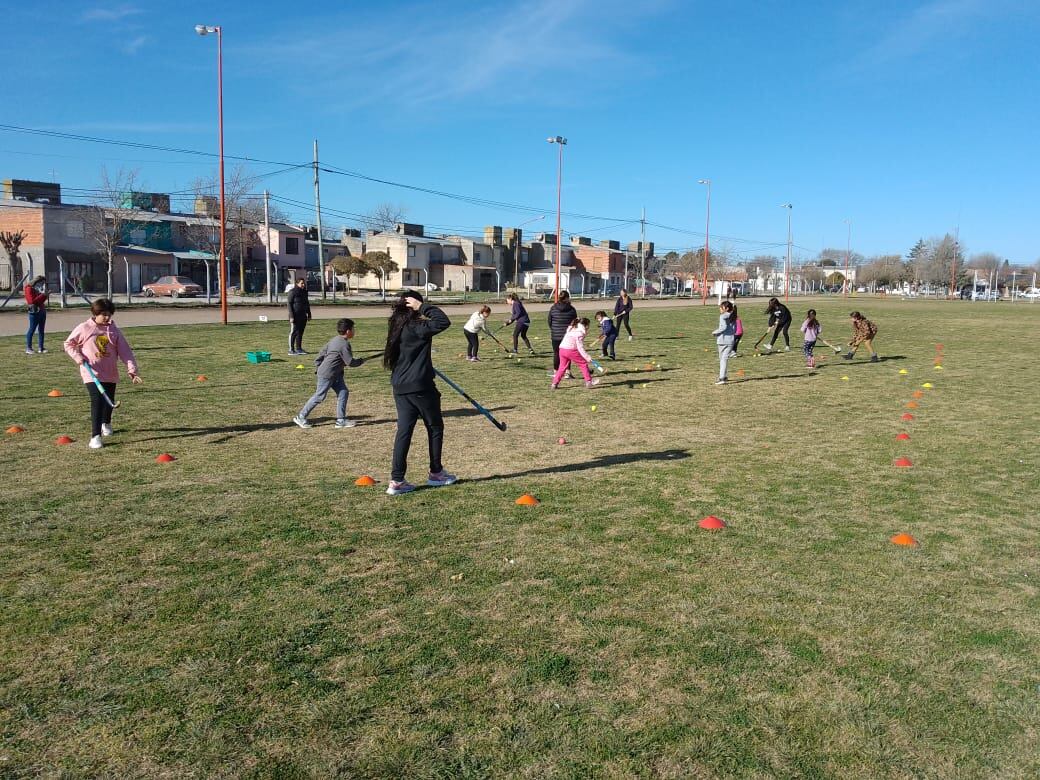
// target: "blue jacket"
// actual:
[[519, 314]]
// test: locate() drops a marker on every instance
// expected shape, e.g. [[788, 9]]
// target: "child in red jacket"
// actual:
[[36, 297]]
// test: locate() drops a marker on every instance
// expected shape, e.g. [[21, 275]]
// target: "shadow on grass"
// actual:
[[466, 411], [632, 383], [800, 375], [603, 461]]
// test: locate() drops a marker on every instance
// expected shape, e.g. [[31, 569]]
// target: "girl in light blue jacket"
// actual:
[[724, 335]]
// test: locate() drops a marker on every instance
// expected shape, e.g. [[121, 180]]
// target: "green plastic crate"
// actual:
[[258, 356]]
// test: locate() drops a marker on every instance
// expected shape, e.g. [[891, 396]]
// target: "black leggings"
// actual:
[[556, 352], [785, 326], [410, 407], [736, 342], [100, 409], [520, 332], [473, 345], [623, 320]]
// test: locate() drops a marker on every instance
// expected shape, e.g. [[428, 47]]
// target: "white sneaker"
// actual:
[[720, 381], [95, 443], [441, 478], [787, 349], [629, 338], [345, 423], [106, 429], [41, 351], [29, 352], [837, 350], [397, 488], [592, 383], [301, 422]]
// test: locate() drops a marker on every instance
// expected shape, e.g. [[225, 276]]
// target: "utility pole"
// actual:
[[787, 264], [317, 210], [241, 257], [267, 247], [642, 249], [848, 251], [953, 263]]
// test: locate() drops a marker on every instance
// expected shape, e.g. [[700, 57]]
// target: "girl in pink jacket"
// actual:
[[572, 350], [98, 343]]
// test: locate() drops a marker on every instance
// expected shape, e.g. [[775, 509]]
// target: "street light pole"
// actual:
[[202, 29], [707, 229], [848, 250], [787, 264], [561, 142]]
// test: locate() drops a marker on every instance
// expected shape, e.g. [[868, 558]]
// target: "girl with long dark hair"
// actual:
[[411, 328], [780, 321]]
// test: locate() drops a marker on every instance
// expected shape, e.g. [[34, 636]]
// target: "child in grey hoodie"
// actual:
[[724, 336], [333, 358]]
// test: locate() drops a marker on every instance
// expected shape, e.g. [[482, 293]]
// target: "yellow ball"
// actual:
[[593, 407]]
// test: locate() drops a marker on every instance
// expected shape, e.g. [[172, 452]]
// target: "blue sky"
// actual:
[[911, 119]]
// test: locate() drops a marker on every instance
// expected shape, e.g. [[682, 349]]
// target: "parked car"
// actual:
[[174, 286], [1032, 292]]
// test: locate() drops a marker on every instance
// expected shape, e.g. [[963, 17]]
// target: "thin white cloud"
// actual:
[[497, 54], [110, 14], [135, 44]]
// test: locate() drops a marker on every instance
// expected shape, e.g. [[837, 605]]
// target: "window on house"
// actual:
[[411, 251], [292, 246], [138, 236], [74, 228], [476, 257]]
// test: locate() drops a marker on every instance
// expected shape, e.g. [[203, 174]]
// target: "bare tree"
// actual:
[[384, 217], [108, 221], [11, 243]]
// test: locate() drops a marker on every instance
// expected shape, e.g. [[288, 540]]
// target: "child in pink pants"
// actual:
[[572, 350]]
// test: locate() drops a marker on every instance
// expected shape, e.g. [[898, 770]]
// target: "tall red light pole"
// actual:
[[562, 142], [707, 229], [848, 251], [202, 29]]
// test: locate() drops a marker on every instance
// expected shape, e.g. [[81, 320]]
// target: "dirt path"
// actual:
[[60, 321]]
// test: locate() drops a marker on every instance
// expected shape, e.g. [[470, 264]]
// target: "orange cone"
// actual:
[[902, 463], [200, 378], [527, 500], [907, 417], [16, 429], [55, 394], [911, 404], [712, 523], [904, 540], [62, 440], [918, 394], [165, 458], [903, 436], [364, 481], [740, 372]]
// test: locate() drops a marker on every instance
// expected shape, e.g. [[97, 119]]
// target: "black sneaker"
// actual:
[[874, 359], [847, 356]]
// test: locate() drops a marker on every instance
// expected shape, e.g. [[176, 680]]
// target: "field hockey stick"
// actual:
[[100, 387], [497, 423], [596, 365], [760, 338], [827, 343]]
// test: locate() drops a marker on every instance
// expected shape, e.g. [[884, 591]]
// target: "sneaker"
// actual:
[[629, 338], [301, 422], [41, 351], [95, 443], [292, 353], [847, 356], [874, 358], [532, 352], [554, 386], [721, 381], [475, 359], [767, 347], [106, 429], [29, 352], [345, 423], [397, 488], [787, 348], [550, 374], [302, 352], [592, 383], [568, 375], [441, 478]]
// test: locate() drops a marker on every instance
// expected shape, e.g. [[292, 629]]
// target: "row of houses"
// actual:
[[154, 241]]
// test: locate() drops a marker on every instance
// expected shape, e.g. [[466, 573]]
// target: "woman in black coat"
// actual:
[[779, 321], [561, 315]]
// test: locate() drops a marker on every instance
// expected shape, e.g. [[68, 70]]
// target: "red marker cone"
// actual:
[[165, 458], [905, 540], [712, 523], [907, 417], [364, 481], [16, 429], [527, 500], [200, 378], [903, 436], [62, 440], [55, 394], [902, 463]]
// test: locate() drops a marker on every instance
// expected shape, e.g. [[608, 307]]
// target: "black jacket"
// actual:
[[299, 304], [780, 316], [414, 370], [621, 307], [561, 315]]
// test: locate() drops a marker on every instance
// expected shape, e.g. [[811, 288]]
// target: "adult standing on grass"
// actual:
[[724, 335], [863, 332], [409, 338], [561, 315], [96, 345], [780, 322], [520, 320], [36, 297], [299, 314], [622, 311]]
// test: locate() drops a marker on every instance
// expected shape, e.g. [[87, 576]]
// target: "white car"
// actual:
[[1032, 292]]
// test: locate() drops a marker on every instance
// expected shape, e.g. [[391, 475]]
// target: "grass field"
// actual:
[[246, 611]]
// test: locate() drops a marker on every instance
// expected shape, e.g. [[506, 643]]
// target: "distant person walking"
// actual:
[[863, 332], [561, 315], [780, 321], [520, 320], [299, 315], [622, 311], [36, 296]]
